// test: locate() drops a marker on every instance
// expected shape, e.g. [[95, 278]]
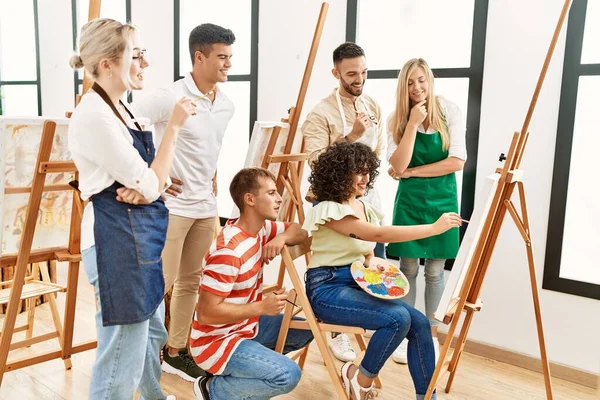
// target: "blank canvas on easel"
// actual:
[[261, 134], [483, 201]]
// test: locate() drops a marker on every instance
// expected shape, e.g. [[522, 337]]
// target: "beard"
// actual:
[[353, 90]]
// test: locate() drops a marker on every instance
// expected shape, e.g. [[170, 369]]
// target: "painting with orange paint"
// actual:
[[19, 145]]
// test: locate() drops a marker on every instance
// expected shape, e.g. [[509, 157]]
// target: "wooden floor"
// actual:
[[477, 378]]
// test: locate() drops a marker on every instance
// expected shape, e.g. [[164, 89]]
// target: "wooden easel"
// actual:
[[25, 289], [292, 165], [511, 177], [22, 290]]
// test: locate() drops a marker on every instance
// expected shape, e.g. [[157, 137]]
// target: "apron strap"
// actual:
[[102, 93]]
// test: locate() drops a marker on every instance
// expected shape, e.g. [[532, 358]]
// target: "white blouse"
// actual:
[[102, 149], [456, 131]]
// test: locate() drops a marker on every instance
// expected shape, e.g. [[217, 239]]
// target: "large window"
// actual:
[[241, 86], [20, 88], [391, 32], [572, 251], [116, 9]]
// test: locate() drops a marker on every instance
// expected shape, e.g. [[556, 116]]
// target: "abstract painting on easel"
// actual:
[[19, 145], [483, 202]]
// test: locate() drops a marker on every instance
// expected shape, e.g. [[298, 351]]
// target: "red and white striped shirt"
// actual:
[[233, 270]]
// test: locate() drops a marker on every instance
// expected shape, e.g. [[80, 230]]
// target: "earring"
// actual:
[[110, 74]]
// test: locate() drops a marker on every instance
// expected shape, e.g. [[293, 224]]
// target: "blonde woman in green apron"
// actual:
[[426, 146]]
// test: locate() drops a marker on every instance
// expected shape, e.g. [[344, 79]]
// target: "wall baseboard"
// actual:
[[531, 363]]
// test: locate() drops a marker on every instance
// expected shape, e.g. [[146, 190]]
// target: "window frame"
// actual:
[[475, 75], [74, 13], [37, 81], [252, 77], [572, 70]]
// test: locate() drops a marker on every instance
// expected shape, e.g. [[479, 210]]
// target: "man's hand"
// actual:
[[175, 188], [361, 124], [274, 303], [273, 248], [131, 196]]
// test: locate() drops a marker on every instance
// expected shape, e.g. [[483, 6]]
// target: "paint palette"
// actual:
[[381, 279]]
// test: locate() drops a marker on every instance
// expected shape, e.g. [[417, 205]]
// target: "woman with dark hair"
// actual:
[[345, 229]]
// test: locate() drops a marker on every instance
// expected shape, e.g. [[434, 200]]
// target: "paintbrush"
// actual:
[[204, 95]]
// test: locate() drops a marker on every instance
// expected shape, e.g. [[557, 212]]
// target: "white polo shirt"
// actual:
[[198, 145]]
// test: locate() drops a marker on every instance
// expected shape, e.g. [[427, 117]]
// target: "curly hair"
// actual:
[[332, 172]]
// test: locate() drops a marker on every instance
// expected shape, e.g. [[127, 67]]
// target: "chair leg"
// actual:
[[303, 356], [285, 323]]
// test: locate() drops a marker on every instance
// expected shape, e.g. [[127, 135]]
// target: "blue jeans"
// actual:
[[128, 356], [337, 299], [434, 283], [255, 371]]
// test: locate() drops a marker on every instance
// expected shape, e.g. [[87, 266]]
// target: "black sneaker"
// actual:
[[201, 388], [182, 365]]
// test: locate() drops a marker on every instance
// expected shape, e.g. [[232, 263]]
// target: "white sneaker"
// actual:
[[368, 333], [436, 348], [341, 348], [399, 355]]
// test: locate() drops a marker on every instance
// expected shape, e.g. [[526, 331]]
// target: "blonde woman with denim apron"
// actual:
[[426, 146], [124, 225]]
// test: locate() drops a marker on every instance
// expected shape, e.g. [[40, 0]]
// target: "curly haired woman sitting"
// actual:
[[345, 229]]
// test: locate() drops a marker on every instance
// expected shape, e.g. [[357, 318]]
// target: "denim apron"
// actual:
[[129, 241], [424, 200]]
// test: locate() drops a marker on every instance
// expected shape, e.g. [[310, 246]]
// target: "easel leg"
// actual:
[[71, 297], [30, 317], [535, 294], [54, 311], [437, 373], [458, 349]]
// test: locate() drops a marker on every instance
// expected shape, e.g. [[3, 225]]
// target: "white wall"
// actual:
[[286, 29], [518, 34]]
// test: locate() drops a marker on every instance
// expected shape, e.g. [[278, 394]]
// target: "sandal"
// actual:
[[353, 388]]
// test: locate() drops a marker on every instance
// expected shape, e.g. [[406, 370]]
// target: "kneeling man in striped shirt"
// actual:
[[235, 328]]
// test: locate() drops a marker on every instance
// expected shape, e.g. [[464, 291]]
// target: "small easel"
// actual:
[[292, 165], [511, 177]]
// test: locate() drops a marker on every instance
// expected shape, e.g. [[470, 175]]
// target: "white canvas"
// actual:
[[261, 134], [483, 201]]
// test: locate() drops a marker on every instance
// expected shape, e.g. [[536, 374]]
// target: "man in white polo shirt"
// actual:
[[192, 203]]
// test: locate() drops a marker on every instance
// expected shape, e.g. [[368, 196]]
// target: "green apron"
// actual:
[[423, 201]]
